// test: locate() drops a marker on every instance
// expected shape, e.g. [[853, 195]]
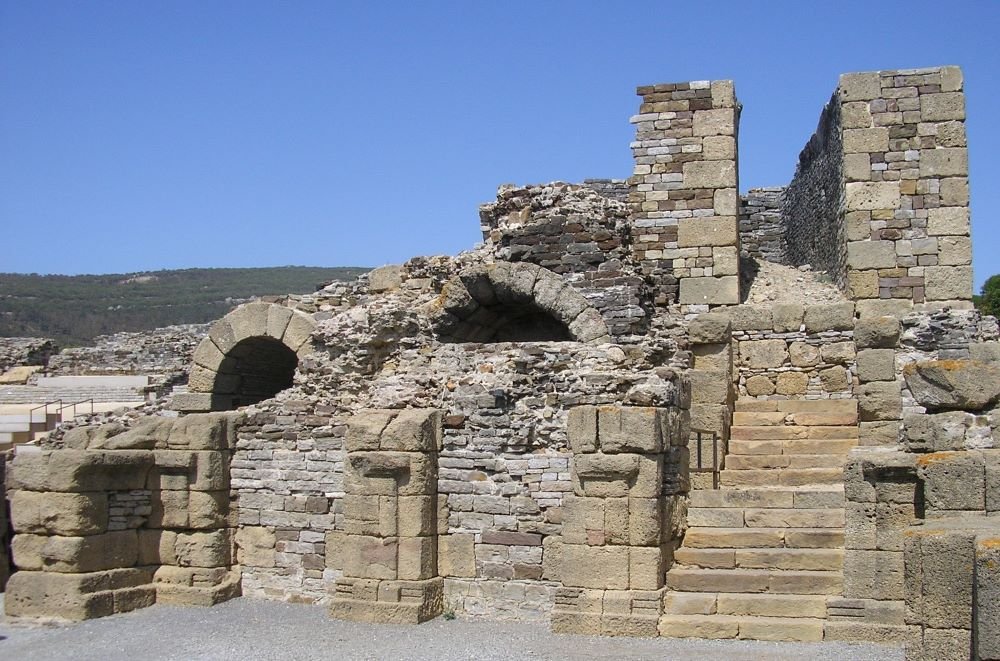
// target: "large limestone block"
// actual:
[[249, 320], [953, 480], [876, 365], [866, 140], [720, 121], [710, 328], [111, 550], [209, 431], [255, 547], [838, 353], [39, 594], [364, 429], [413, 430], [987, 592], [595, 567], [802, 354], [456, 555], [763, 354], [581, 429], [947, 283], [877, 333], [935, 432], [709, 174], [880, 400], [709, 386], [713, 231], [948, 221], [390, 473], [617, 475], [944, 162], [278, 317], [711, 291], [859, 86], [942, 107], [968, 385], [718, 147], [66, 514], [630, 429], [80, 470], [792, 383], [862, 255], [787, 317], [873, 574], [954, 251], [872, 195], [385, 278], [862, 284], [298, 332], [417, 558], [834, 316], [940, 572]]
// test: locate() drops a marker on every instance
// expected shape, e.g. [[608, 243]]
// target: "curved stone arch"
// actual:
[[486, 303], [250, 355]]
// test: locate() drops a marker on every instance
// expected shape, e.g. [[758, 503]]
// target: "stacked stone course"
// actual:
[[684, 192]]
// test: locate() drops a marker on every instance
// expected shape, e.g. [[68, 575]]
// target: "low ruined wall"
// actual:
[[813, 215], [15, 351], [5, 565], [119, 520], [792, 350]]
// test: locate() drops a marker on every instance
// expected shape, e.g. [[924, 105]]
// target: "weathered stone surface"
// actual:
[[710, 328], [792, 383], [716, 231], [944, 162], [802, 354], [987, 593], [385, 278], [762, 354], [80, 471], [66, 514], [859, 86], [709, 174], [877, 333], [713, 291], [937, 432], [879, 401], [837, 316], [947, 283], [876, 365], [840, 353], [759, 385], [787, 317], [872, 195], [953, 384]]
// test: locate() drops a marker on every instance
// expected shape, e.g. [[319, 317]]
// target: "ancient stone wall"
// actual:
[[684, 195], [616, 189], [813, 211], [121, 519], [16, 351], [762, 225], [5, 564]]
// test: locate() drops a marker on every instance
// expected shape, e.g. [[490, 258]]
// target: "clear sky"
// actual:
[[147, 135]]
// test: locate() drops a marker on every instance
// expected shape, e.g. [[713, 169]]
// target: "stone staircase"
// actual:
[[764, 553]]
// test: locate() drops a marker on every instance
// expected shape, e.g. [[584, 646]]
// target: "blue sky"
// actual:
[[147, 135]]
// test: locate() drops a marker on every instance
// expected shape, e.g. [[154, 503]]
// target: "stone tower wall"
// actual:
[[684, 192]]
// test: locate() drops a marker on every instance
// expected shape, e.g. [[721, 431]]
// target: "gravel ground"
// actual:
[[252, 629]]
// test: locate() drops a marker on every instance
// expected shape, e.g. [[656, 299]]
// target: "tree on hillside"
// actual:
[[988, 301]]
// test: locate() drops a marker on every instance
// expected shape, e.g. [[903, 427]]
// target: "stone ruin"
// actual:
[[581, 421]]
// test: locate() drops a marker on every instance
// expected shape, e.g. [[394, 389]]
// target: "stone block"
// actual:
[[66, 514], [944, 162], [365, 429], [859, 87], [872, 195], [855, 115], [714, 357], [278, 317], [948, 221], [802, 354], [207, 431], [877, 333], [946, 283], [299, 332], [884, 307], [725, 203], [604, 567], [720, 121], [581, 429], [78, 471], [938, 432], [787, 317], [710, 328], [862, 255], [759, 385], [792, 383], [866, 140], [985, 351], [880, 400], [838, 353], [371, 557], [249, 320], [456, 555], [718, 147], [940, 572], [835, 379], [632, 428], [203, 548], [955, 251], [763, 354], [942, 107], [709, 174], [943, 471], [987, 593], [857, 167], [37, 594], [710, 290], [417, 558], [645, 568], [714, 231], [111, 550], [709, 387], [967, 385], [255, 546], [385, 278], [883, 432], [711, 417], [834, 316], [954, 192], [876, 365], [413, 430], [748, 317], [862, 284]]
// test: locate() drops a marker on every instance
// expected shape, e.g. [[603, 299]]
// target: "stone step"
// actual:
[[782, 476], [753, 605], [791, 432], [837, 446], [827, 495], [758, 461], [743, 538], [797, 405], [716, 627], [733, 517], [781, 581], [761, 558], [802, 418]]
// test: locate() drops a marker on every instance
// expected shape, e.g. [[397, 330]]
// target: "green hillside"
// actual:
[[75, 309]]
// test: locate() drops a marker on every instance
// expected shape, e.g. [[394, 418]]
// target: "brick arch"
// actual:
[[250, 354], [515, 302]]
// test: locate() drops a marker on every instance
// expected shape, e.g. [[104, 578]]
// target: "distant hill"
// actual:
[[74, 309]]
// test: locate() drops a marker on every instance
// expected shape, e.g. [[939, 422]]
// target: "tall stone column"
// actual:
[[629, 469], [389, 543], [684, 192]]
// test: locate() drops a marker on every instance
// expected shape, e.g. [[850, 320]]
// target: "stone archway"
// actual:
[[514, 302], [249, 355]]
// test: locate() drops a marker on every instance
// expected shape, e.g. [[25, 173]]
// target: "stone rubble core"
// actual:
[[525, 431]]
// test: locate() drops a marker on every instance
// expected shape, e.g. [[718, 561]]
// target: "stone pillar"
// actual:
[[389, 542], [905, 174], [628, 471], [684, 192], [712, 392]]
